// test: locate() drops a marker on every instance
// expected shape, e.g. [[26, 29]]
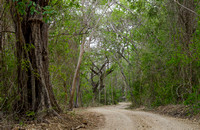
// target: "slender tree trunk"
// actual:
[[105, 95], [126, 87], [76, 76], [66, 95], [99, 89], [77, 92], [112, 92], [99, 96], [2, 64]]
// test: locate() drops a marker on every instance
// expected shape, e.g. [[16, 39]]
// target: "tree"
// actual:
[[102, 73], [34, 87], [84, 41]]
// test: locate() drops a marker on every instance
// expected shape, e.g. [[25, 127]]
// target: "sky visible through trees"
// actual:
[[61, 54]]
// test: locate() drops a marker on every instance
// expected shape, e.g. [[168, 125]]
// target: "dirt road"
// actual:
[[118, 118]]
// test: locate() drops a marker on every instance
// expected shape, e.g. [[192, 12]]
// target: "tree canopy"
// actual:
[[60, 54]]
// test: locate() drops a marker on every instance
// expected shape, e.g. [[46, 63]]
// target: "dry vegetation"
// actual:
[[68, 121]]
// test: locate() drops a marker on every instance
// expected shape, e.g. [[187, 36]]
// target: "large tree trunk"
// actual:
[[35, 90]]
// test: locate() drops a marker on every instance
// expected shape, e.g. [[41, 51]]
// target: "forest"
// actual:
[[56, 55]]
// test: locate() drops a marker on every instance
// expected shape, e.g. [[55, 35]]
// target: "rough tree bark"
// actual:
[[34, 87]]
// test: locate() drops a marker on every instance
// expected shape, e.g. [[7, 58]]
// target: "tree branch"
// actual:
[[7, 31], [75, 34], [124, 57], [94, 71], [186, 7]]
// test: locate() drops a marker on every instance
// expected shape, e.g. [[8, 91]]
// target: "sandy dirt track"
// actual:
[[118, 118]]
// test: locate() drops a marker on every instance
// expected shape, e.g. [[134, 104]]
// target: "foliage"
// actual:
[[146, 52]]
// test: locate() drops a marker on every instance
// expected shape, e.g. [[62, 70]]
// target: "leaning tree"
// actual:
[[35, 92]]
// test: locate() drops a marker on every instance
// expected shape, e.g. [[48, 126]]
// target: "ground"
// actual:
[[67, 121], [180, 111], [119, 118], [114, 117]]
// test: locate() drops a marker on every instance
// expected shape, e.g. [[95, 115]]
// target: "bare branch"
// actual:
[[75, 34], [186, 7], [7, 31], [94, 71], [124, 58]]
